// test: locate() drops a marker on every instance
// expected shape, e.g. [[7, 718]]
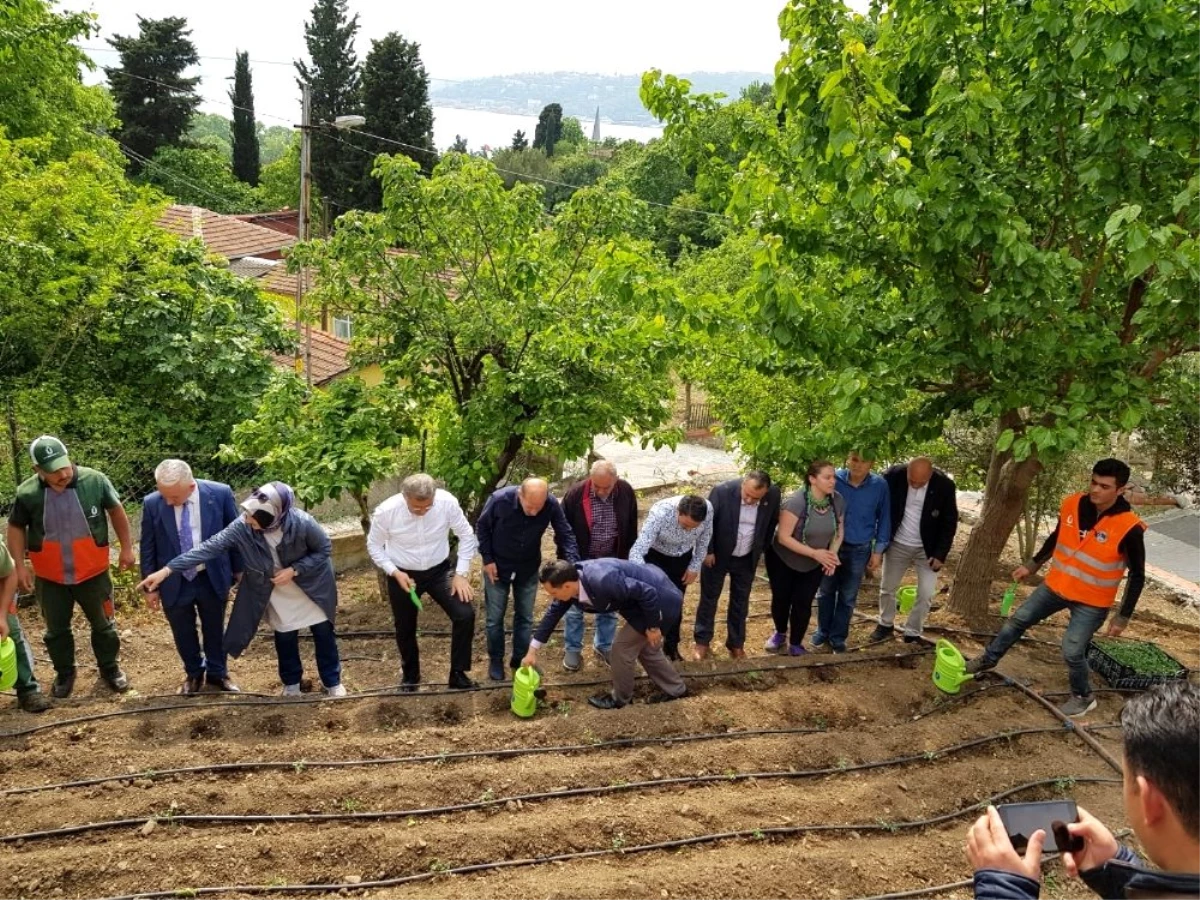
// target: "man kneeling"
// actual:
[[643, 596], [1162, 803]]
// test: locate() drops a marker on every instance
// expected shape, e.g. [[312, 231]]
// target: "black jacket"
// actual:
[[1122, 876], [726, 500], [624, 505], [939, 515]]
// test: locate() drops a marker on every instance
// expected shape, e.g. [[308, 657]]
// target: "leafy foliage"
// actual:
[[395, 91], [506, 331], [154, 101], [549, 128], [43, 105], [246, 162], [984, 210], [519, 141], [200, 176]]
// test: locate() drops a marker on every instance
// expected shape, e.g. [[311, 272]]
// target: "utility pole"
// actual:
[[303, 330]]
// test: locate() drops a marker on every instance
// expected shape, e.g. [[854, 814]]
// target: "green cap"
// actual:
[[49, 454]]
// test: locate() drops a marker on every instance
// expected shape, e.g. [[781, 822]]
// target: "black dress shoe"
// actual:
[[460, 682], [605, 701], [410, 687], [225, 685], [64, 683], [664, 697], [193, 684]]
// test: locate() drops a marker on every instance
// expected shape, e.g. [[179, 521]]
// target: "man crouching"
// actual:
[[642, 595]]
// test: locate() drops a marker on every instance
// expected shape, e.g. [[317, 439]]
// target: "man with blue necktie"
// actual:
[[176, 518]]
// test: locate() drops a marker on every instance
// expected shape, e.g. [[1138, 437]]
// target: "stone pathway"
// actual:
[[650, 468]]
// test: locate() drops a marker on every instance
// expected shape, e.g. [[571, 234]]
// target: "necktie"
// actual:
[[185, 537]]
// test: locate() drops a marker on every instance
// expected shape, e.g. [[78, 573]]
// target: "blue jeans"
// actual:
[[838, 595], [524, 592], [197, 599], [329, 664], [1084, 621], [606, 630]]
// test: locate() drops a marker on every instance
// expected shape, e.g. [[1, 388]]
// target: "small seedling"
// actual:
[[819, 722], [931, 754], [298, 767], [487, 796], [758, 834], [563, 708], [618, 840], [731, 773], [351, 804], [888, 826], [438, 865], [618, 782], [1063, 785], [590, 737]]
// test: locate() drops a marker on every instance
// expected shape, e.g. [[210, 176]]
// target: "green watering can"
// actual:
[[526, 681], [906, 597], [8, 664], [949, 668]]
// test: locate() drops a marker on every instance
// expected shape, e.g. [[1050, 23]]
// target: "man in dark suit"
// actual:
[[924, 520], [178, 517], [602, 513], [646, 599], [744, 512]]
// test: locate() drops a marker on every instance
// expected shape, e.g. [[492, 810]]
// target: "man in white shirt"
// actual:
[[924, 521], [410, 541]]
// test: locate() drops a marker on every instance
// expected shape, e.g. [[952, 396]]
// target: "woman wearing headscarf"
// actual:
[[287, 579]]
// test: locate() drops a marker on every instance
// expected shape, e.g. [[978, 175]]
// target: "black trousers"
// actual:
[[675, 567], [740, 570], [792, 595], [434, 583]]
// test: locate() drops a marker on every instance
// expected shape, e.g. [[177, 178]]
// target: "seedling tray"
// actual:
[[1134, 665]]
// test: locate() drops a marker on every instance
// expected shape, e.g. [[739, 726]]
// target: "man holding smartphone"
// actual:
[[1162, 804]]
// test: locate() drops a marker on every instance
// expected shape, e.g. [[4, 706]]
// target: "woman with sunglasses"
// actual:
[[287, 579]]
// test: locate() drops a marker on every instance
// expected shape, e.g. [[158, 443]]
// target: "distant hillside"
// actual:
[[579, 93]]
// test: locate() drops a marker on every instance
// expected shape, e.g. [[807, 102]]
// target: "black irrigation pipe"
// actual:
[[499, 753], [199, 704], [923, 892], [599, 790], [755, 834], [1077, 727], [946, 629]]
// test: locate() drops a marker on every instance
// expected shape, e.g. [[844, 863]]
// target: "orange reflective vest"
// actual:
[[1087, 566]]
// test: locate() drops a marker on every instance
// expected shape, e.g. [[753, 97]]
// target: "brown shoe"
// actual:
[[34, 702], [737, 653], [701, 652], [193, 684]]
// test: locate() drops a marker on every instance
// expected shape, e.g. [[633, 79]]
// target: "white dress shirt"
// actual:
[[398, 540]]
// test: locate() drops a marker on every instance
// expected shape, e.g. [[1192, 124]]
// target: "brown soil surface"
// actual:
[[872, 705]]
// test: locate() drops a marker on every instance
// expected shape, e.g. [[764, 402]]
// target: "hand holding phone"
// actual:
[[1021, 820]]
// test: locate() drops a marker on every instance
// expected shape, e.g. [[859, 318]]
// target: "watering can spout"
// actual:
[[949, 668]]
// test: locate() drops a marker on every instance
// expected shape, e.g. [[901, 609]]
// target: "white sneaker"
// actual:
[[338, 690], [290, 690]]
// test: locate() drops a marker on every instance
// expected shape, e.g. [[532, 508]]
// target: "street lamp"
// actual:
[[341, 123]]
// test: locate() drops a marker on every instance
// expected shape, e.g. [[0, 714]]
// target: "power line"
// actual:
[[414, 147]]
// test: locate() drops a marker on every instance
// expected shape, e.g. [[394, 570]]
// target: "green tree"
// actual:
[[279, 184], [990, 211], [333, 77], [519, 141], [395, 100], [1171, 431], [574, 171], [572, 134], [213, 131], [246, 162], [154, 101], [523, 166], [549, 128], [111, 332], [43, 105], [459, 145], [504, 331], [200, 176], [274, 142]]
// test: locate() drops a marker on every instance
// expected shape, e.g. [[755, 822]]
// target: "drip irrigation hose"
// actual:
[[199, 703], [923, 892], [1070, 725], [754, 834], [599, 790], [946, 629]]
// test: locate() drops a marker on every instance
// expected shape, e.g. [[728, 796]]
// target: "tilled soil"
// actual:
[[429, 783]]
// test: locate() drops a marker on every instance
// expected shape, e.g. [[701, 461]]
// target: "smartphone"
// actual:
[[1052, 816]]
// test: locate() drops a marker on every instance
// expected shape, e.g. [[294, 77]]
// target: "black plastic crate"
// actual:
[[1122, 675]]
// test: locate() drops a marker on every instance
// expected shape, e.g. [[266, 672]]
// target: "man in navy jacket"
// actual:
[[1161, 730], [642, 595], [205, 508]]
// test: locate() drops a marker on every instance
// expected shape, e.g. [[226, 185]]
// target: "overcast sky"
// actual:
[[464, 38]]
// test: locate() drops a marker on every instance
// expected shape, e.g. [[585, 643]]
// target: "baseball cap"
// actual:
[[49, 453]]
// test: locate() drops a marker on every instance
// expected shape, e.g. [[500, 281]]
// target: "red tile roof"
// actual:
[[328, 357], [224, 235]]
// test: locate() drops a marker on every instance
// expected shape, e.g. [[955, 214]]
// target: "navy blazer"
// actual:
[[726, 500], [160, 538], [641, 593]]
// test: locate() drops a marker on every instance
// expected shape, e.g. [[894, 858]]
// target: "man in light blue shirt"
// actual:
[[868, 531]]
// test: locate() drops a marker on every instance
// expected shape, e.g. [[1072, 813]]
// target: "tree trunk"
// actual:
[[1008, 485], [364, 521], [503, 462]]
